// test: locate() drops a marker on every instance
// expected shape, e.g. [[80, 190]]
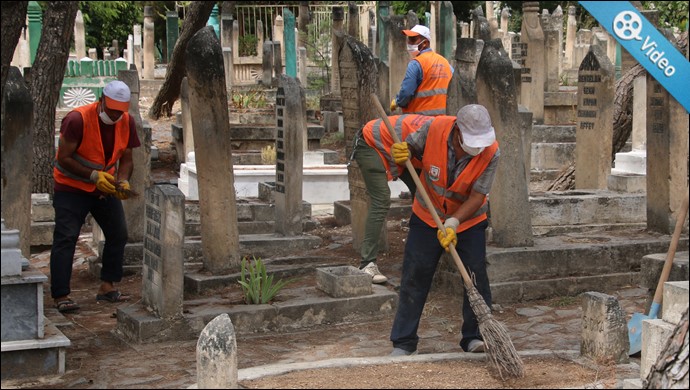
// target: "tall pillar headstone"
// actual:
[[303, 67], [79, 36], [129, 52], [433, 24], [278, 36], [35, 16], [93, 54], [639, 122], [277, 60], [358, 80], [465, 30], [226, 23], [551, 52], [267, 63], [491, 18], [445, 34], [594, 131], [291, 128], [226, 26], [213, 151], [162, 270], [290, 44], [505, 18], [138, 54], [570, 34], [383, 14], [462, 89], [509, 201], [17, 154], [149, 45], [338, 16], [303, 23], [397, 53], [557, 22], [172, 32], [187, 128], [667, 162], [353, 19], [534, 72], [141, 156], [216, 355], [604, 329]]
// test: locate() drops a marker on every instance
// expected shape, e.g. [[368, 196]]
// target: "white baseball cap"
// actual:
[[117, 96], [418, 30], [474, 123]]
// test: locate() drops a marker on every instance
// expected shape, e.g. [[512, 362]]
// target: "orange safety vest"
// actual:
[[90, 152], [430, 97], [377, 135], [435, 176]]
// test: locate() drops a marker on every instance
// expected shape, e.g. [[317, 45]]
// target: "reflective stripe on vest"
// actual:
[[90, 151], [434, 177], [430, 97], [376, 135]]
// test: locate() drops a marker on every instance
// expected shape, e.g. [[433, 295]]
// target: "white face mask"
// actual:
[[105, 118], [470, 150], [413, 50]]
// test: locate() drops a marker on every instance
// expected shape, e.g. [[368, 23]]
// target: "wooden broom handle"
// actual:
[[421, 190], [666, 271]]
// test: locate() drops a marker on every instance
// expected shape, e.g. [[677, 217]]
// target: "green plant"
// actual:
[[564, 301], [257, 285], [268, 155], [249, 99], [247, 43]]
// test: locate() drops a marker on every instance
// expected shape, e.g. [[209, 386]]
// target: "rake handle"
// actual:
[[421, 190], [666, 271]]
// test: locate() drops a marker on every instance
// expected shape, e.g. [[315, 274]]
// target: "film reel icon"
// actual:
[[627, 25]]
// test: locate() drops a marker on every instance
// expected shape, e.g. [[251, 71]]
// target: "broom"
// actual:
[[499, 347]]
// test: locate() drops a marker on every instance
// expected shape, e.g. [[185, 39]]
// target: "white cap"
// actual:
[[117, 96], [474, 123], [418, 30]]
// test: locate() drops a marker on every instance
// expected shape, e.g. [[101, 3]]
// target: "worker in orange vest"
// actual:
[[459, 156], [425, 87]]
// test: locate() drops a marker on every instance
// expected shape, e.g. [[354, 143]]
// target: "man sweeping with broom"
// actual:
[[459, 156]]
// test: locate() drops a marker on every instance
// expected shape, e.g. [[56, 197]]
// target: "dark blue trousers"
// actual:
[[422, 253], [71, 210]]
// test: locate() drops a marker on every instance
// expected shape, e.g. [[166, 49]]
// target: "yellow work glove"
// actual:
[[104, 181], [393, 105], [447, 236], [400, 152], [123, 190]]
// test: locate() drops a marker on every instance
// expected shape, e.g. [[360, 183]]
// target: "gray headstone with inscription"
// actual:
[[594, 131], [532, 38], [163, 268], [604, 328], [291, 128]]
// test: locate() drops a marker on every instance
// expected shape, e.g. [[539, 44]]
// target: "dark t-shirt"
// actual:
[[72, 128]]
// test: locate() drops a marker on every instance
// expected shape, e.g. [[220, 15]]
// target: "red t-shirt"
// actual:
[[72, 128]]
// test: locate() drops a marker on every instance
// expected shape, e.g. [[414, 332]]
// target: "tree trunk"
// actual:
[[45, 80], [13, 19], [622, 119], [670, 371], [196, 18]]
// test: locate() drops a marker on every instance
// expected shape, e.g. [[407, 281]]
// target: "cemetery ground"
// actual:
[[99, 358]]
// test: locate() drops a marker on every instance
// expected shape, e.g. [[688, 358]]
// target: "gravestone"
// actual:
[[462, 89], [216, 355], [138, 53], [570, 32], [533, 75], [481, 29], [383, 14], [604, 328], [162, 279], [291, 128], [552, 52], [338, 17], [509, 201], [594, 132], [397, 53], [141, 157], [358, 80], [187, 128], [290, 44], [79, 36], [149, 45], [267, 63], [213, 151], [172, 32], [17, 155], [667, 148]]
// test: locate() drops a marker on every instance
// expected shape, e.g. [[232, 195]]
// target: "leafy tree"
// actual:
[[108, 20]]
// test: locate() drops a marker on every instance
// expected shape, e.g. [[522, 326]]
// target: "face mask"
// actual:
[[470, 150], [413, 50], [106, 119]]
